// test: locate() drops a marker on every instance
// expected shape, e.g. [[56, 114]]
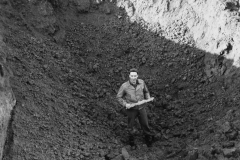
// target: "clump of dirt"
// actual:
[[65, 90]]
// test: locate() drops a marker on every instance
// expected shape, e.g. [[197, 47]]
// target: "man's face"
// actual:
[[133, 77]]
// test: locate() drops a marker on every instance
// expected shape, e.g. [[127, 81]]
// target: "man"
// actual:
[[129, 94]]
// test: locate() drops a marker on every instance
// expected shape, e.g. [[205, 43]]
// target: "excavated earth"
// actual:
[[65, 83]]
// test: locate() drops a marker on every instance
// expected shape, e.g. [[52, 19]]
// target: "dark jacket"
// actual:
[[130, 94]]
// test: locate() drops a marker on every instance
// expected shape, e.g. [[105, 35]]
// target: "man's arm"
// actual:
[[146, 92], [120, 96]]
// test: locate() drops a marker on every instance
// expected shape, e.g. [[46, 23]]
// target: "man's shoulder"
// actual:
[[125, 84], [140, 81]]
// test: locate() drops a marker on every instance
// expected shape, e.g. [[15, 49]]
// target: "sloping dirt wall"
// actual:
[[209, 25]]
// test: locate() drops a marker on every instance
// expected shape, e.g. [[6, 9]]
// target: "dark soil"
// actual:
[[66, 106]]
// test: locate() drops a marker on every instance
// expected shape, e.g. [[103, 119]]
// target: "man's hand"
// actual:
[[150, 99], [128, 106]]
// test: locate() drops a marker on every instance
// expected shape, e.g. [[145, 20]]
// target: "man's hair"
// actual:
[[133, 70]]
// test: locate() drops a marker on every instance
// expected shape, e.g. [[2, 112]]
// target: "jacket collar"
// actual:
[[137, 83]]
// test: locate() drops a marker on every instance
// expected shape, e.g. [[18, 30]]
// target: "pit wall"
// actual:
[[213, 26]]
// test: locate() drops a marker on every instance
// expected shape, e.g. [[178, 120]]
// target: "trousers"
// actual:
[[141, 114]]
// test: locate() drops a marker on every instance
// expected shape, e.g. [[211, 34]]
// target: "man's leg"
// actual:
[[132, 114], [143, 119]]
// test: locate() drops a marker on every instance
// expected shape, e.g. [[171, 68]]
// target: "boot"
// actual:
[[132, 142], [149, 139]]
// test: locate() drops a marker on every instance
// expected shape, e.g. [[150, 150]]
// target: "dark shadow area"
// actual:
[[232, 6]]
